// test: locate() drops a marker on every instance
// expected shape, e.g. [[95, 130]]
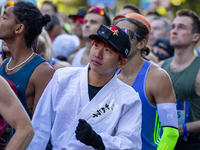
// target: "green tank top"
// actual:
[[188, 102]]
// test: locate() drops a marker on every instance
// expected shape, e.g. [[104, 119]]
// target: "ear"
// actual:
[[19, 28], [141, 44], [196, 37], [121, 63]]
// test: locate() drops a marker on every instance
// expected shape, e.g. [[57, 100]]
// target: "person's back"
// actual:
[[184, 71]]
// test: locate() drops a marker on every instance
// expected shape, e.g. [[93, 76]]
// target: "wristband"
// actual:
[[185, 133]]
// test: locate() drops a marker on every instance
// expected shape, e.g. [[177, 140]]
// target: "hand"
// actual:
[[88, 136], [84, 132]]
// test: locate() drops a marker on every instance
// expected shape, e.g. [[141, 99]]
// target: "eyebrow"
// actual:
[[5, 13], [179, 24]]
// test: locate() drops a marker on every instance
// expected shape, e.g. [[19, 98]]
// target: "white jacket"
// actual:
[[114, 113]]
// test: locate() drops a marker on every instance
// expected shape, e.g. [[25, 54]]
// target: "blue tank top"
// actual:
[[151, 126], [21, 77]]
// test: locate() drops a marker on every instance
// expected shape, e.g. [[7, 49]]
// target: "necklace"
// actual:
[[7, 69]]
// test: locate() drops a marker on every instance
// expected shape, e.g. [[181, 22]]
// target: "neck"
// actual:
[[88, 46], [82, 43], [133, 65], [18, 51], [183, 55], [99, 80], [7, 54]]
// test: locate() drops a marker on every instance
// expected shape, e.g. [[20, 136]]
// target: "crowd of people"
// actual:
[[92, 81]]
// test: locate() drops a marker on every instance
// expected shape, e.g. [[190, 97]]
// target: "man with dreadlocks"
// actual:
[[20, 26]]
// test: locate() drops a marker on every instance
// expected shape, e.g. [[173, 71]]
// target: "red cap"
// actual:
[[135, 16]]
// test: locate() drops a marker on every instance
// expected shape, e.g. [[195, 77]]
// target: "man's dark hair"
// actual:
[[29, 15], [167, 23], [133, 8], [155, 13], [193, 16], [107, 20], [142, 30], [52, 5], [55, 20]]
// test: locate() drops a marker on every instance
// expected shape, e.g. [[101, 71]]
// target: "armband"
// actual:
[[168, 114], [169, 138]]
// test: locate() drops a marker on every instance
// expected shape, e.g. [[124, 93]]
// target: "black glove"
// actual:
[[88, 136]]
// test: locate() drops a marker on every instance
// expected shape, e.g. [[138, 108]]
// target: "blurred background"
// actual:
[[113, 6], [67, 7]]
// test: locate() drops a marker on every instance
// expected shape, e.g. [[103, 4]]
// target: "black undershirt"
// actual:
[[93, 90]]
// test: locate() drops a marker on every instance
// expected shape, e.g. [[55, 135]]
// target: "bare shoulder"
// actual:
[[61, 64], [157, 72], [161, 63], [43, 72], [159, 85]]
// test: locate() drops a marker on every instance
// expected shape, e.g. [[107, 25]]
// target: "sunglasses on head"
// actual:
[[11, 3], [131, 34], [160, 56], [80, 19], [97, 10], [7, 4]]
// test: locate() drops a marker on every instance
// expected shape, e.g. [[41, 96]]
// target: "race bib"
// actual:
[[183, 111], [103, 109]]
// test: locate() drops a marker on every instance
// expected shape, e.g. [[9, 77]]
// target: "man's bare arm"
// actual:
[[13, 112], [39, 79]]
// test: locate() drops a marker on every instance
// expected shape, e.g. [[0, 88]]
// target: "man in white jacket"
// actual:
[[90, 108]]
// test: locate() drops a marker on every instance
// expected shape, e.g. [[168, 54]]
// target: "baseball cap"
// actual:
[[65, 45], [81, 13], [135, 16], [115, 36], [100, 12], [166, 42]]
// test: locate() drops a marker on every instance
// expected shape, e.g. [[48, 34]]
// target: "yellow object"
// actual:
[[169, 138], [161, 10]]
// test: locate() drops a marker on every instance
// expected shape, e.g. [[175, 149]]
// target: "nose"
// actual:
[[87, 23], [173, 30], [99, 53], [77, 22]]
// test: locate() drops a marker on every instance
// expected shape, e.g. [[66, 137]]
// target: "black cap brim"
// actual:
[[95, 36], [73, 16]]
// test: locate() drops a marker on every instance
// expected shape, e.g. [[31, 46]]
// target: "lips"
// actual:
[[96, 62], [173, 37]]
